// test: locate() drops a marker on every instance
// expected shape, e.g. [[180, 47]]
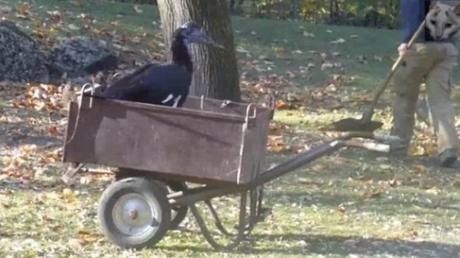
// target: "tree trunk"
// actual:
[[215, 70], [232, 6], [235, 7], [240, 6], [254, 6], [295, 9], [333, 11]]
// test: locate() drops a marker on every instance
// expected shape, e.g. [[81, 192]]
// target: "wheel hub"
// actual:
[[132, 215]]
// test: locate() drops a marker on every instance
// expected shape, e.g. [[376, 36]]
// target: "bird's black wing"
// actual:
[[167, 85], [127, 83], [155, 84]]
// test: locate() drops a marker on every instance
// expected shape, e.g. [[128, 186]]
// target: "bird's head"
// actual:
[[193, 33]]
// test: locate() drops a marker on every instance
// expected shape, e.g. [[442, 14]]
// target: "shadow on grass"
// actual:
[[342, 245], [380, 204], [337, 245], [14, 134]]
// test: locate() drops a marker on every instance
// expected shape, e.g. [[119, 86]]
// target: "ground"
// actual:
[[352, 203]]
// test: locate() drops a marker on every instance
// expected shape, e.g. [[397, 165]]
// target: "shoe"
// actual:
[[448, 157]]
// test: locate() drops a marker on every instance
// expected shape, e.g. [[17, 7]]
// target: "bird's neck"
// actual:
[[180, 53]]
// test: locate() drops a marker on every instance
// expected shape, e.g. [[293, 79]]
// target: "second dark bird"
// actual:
[[166, 84]]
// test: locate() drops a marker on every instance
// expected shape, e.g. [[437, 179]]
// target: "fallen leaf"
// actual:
[[297, 52], [138, 9], [421, 169], [378, 58], [276, 144], [341, 208], [362, 59], [308, 34], [86, 236], [280, 51], [54, 131], [457, 181], [311, 65], [69, 196], [23, 9], [6, 9], [433, 190], [73, 27], [326, 66], [280, 104], [373, 194], [338, 41]]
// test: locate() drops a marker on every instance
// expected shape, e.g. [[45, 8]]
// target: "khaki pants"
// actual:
[[431, 63]]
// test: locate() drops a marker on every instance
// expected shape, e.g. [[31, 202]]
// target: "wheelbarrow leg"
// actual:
[[216, 218], [241, 226], [257, 213], [68, 177]]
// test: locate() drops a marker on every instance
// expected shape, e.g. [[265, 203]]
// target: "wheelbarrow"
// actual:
[[169, 159]]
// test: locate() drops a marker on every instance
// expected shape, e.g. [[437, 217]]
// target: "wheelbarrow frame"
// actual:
[[206, 141], [250, 189], [257, 212]]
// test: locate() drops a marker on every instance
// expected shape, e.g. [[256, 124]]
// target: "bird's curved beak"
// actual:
[[202, 38], [215, 44]]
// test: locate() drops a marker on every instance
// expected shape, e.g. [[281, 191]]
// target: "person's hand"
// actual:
[[402, 49]]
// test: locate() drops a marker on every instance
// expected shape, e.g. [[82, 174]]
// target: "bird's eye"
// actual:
[[448, 25], [433, 22]]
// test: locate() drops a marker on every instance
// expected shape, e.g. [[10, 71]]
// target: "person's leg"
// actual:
[[442, 111], [406, 86]]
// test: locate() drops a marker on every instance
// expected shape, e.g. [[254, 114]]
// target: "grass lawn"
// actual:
[[349, 204]]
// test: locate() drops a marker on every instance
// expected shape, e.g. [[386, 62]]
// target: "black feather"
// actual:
[[166, 84]]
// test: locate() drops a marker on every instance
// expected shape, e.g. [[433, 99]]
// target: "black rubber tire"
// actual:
[[154, 195], [178, 213]]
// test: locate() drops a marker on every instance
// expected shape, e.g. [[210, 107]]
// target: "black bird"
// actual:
[[166, 84]]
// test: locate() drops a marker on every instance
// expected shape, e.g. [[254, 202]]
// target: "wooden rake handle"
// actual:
[[367, 116]]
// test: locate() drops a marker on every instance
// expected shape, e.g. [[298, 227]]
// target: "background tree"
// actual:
[[215, 70], [235, 7], [368, 13], [295, 9], [334, 11]]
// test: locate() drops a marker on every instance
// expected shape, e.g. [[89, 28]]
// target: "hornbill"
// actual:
[[166, 84]]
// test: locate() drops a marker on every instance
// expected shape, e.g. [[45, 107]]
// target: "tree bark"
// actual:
[[295, 9], [333, 11], [235, 7], [215, 70]]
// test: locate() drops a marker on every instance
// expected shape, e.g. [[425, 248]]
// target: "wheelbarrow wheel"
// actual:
[[178, 212], [134, 212]]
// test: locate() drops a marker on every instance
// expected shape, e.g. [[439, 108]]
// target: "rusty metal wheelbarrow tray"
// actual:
[[205, 141]]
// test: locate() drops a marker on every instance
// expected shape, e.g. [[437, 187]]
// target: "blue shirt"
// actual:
[[413, 13]]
